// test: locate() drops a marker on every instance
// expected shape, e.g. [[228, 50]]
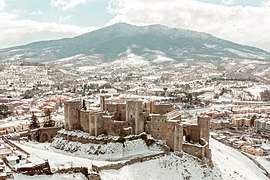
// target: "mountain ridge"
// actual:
[[111, 41]]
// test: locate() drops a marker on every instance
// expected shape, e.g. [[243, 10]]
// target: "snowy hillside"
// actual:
[[169, 167], [152, 43], [108, 151], [233, 164], [112, 148], [229, 164]]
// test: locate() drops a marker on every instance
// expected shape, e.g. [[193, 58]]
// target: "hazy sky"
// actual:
[[25, 21]]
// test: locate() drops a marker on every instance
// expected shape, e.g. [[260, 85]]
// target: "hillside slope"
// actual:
[[229, 164], [149, 42]]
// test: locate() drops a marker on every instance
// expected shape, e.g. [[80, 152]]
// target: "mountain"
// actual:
[[151, 43]]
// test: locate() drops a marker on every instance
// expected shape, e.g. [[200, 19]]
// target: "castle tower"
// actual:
[[151, 107], [204, 127], [84, 120], [91, 124], [178, 137], [134, 114], [73, 108], [102, 99], [102, 103]]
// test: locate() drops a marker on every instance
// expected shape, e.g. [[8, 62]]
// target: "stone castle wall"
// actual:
[[135, 117], [162, 108], [201, 151], [203, 126], [171, 132], [84, 116]]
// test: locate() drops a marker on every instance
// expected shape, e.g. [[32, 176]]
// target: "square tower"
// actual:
[[134, 114], [204, 127], [73, 116]]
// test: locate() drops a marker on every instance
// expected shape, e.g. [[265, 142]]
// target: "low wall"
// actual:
[[14, 145], [94, 176], [200, 150], [45, 134], [36, 170], [39, 169], [194, 150], [82, 170], [118, 166]]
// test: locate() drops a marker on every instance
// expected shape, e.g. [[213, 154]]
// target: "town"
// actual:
[[134, 90], [159, 110]]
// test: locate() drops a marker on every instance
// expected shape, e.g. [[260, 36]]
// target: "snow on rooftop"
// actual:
[[12, 158]]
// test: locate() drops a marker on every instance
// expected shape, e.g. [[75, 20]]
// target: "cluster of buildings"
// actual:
[[246, 128], [262, 124], [20, 78], [21, 111], [257, 117], [36, 105], [126, 115], [251, 144]]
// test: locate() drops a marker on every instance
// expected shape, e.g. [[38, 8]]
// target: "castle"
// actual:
[[123, 116]]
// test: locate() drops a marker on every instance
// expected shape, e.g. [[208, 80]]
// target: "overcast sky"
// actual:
[[241, 21]]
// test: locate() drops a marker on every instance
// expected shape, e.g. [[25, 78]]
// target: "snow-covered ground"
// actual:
[[233, 164], [60, 159], [168, 167], [162, 59], [109, 151], [76, 176], [229, 164], [256, 90], [130, 60], [263, 161], [57, 160], [244, 54]]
